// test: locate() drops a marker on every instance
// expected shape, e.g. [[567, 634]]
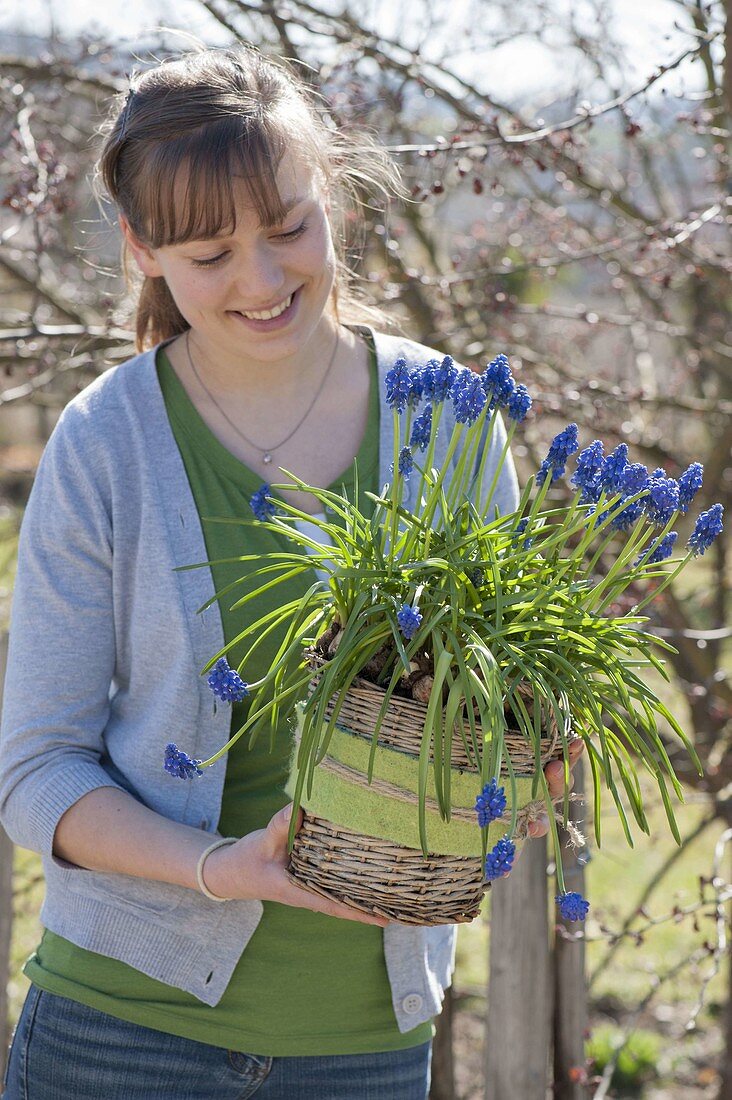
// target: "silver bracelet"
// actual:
[[220, 843]]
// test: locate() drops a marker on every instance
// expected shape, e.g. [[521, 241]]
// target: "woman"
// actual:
[[232, 194]]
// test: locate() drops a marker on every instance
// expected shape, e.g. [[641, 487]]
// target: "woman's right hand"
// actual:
[[254, 867]]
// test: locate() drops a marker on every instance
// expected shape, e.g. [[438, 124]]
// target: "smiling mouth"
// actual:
[[266, 314]]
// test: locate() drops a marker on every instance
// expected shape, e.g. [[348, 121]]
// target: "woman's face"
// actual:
[[258, 292]]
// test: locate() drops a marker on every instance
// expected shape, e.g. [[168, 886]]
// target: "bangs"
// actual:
[[190, 189]]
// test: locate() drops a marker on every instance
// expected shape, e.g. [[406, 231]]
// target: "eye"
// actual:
[[208, 263], [293, 233]]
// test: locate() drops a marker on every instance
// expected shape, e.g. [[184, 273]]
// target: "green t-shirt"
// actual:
[[306, 983]]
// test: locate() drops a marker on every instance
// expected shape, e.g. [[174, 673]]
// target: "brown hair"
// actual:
[[221, 113]]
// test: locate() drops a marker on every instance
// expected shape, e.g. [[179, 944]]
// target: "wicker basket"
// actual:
[[377, 875]]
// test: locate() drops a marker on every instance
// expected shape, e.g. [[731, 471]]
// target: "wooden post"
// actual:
[[443, 1066], [518, 1032], [6, 901], [570, 985]]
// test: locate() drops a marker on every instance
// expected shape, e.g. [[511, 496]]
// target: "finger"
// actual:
[[576, 749], [345, 912], [310, 899], [555, 768], [554, 772], [280, 822], [287, 814], [558, 786]]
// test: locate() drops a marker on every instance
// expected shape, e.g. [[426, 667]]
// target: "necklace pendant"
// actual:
[[266, 458]]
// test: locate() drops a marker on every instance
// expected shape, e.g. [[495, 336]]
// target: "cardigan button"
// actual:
[[412, 1003]]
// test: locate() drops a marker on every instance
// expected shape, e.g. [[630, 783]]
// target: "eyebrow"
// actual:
[[287, 208]]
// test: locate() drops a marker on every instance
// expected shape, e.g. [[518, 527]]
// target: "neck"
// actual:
[[265, 418], [227, 373]]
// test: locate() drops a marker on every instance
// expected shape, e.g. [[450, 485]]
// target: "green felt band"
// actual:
[[344, 797]]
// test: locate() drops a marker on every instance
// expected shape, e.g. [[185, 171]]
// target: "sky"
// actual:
[[645, 26]]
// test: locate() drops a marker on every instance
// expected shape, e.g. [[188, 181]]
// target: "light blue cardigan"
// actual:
[[106, 650]]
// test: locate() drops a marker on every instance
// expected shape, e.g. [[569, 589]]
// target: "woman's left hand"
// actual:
[[554, 772]]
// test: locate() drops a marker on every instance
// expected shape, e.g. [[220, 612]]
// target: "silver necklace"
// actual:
[[266, 452]]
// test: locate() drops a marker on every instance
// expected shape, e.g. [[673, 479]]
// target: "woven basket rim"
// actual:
[[415, 708]]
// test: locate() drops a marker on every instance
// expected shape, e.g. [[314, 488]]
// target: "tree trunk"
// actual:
[[443, 1069], [519, 988], [570, 985]]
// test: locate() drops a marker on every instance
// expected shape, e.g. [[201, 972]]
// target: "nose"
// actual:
[[260, 277]]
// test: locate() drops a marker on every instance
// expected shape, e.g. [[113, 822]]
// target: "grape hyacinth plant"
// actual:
[[475, 608]]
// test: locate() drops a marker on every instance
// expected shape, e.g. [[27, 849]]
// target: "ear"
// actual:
[[144, 257]]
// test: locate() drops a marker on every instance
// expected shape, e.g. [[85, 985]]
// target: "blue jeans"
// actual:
[[63, 1050]]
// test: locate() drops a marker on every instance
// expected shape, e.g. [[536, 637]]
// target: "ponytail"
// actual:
[[157, 316]]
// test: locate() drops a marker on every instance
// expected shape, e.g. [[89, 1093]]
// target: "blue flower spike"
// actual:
[[226, 682], [438, 379], [706, 529], [399, 386], [520, 528], [664, 550], [690, 483], [500, 388], [261, 505], [500, 860], [587, 472], [627, 516], [468, 398], [519, 404], [179, 763], [490, 803], [661, 500], [634, 478], [409, 619], [631, 479], [406, 462], [611, 471], [572, 905], [421, 429], [562, 446]]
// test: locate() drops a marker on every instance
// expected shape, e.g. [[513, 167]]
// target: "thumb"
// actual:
[[281, 820]]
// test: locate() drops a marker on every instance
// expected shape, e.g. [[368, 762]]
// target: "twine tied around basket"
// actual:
[[532, 811]]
